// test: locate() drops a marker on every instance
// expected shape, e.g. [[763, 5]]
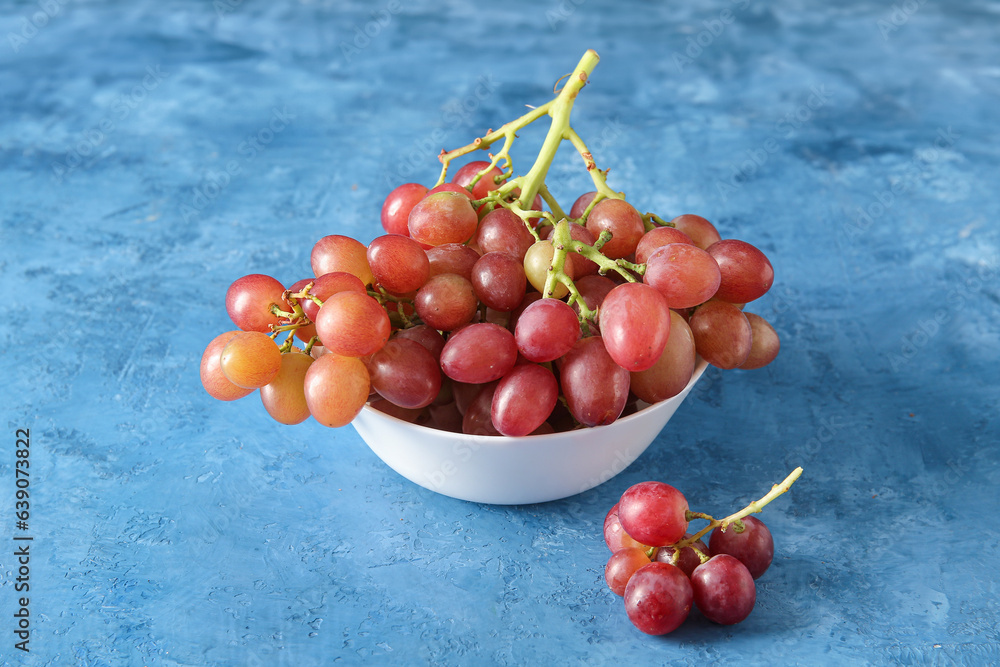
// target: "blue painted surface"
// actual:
[[174, 530]]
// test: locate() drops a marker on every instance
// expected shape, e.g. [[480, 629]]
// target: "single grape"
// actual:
[[698, 229], [427, 336], [398, 263], [524, 399], [672, 371], [479, 353], [456, 258], [621, 566], [341, 253], [490, 181], [536, 266], [212, 378], [515, 315], [326, 286], [622, 220], [249, 301], [405, 373], [250, 359], [445, 217], [580, 205], [503, 231], [595, 387], [658, 598], [284, 397], [657, 238], [615, 536], [498, 280], [446, 302], [653, 513], [352, 324], [723, 590], [746, 272], [688, 559], [397, 206], [765, 342], [546, 330], [754, 547], [336, 388], [635, 324], [722, 334], [478, 419], [683, 273]]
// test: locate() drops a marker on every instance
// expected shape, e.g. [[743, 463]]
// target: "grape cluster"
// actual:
[[661, 569], [486, 309]]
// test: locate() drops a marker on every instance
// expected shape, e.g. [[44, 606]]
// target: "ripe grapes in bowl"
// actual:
[[492, 345]]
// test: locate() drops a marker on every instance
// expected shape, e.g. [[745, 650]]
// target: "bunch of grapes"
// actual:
[[661, 570], [488, 309]]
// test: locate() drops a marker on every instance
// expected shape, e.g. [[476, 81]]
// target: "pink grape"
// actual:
[[336, 388], [249, 300], [593, 290], [405, 373], [478, 419], [397, 206], [622, 220], [524, 399], [657, 238], [398, 263], [326, 286], [445, 217], [698, 229], [352, 324], [658, 598], [746, 272], [499, 281], [615, 536], [546, 330], [250, 359], [722, 334], [284, 397], [212, 378], [672, 371], [723, 590], [683, 273], [595, 387], [446, 302], [765, 343], [426, 336], [653, 513], [635, 325], [688, 559], [489, 181], [754, 547], [454, 258], [341, 253], [580, 205], [503, 231], [479, 353], [621, 566]]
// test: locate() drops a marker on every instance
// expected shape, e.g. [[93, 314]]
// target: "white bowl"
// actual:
[[515, 471]]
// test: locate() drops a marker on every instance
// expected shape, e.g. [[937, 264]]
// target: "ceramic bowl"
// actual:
[[515, 471]]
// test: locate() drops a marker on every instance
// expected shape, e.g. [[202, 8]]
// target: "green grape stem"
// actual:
[[752, 508]]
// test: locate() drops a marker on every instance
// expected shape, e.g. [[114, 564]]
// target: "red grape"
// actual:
[[546, 330], [341, 253], [593, 290], [326, 286], [398, 263], [426, 336], [336, 388], [405, 373], [722, 334], [352, 324], [445, 217], [503, 231], [672, 371], [249, 300], [689, 558], [478, 419], [653, 513], [621, 566], [284, 397], [446, 302], [498, 280], [455, 258], [250, 359], [698, 229], [524, 399], [615, 536], [723, 590], [658, 598], [397, 206], [622, 220], [683, 273], [657, 238], [746, 272], [754, 547], [635, 324], [479, 353], [765, 342], [212, 378], [580, 205], [595, 387], [490, 181]]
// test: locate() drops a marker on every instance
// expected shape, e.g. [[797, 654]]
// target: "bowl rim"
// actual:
[[527, 440]]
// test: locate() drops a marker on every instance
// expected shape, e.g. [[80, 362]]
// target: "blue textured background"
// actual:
[[171, 529]]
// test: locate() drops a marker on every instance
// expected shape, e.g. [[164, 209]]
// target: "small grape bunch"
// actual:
[[661, 569]]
